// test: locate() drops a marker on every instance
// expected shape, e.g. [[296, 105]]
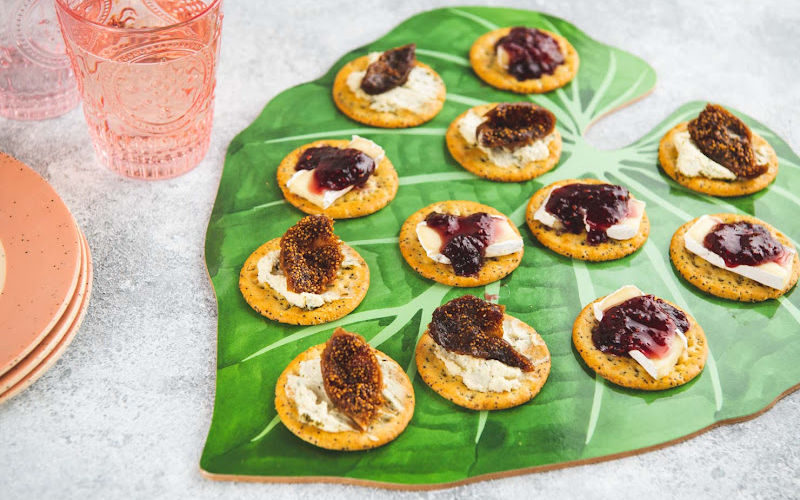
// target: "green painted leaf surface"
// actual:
[[576, 416]]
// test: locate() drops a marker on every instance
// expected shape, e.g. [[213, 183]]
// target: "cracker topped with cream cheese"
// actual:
[[480, 358]]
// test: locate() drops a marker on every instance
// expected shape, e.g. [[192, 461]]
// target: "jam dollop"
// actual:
[[390, 70], [336, 168], [743, 243], [725, 139], [352, 377], [531, 53], [513, 125], [644, 323], [598, 206], [310, 255], [471, 326], [464, 239]]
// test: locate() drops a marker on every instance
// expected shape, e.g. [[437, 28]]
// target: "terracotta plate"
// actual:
[[61, 345], [49, 342], [42, 260]]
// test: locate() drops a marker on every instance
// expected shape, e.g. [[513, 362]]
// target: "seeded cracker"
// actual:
[[476, 161], [721, 282], [624, 370], [575, 245], [668, 157], [483, 60], [351, 283], [433, 371], [379, 190], [358, 108], [494, 268], [377, 434]]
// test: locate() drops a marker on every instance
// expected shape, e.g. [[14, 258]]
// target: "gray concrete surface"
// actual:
[[124, 414]]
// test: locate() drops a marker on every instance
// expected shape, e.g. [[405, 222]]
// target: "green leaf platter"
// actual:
[[578, 417]]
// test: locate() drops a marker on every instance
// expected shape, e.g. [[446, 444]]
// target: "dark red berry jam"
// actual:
[[598, 206], [336, 168], [390, 70], [531, 53], [645, 323], [471, 326], [513, 125], [464, 239], [744, 244]]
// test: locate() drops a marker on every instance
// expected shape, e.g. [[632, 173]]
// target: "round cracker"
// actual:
[[451, 387], [269, 303], [668, 159], [377, 192], [484, 63], [575, 245], [624, 370], [476, 161], [722, 282], [377, 434], [494, 268], [358, 108]]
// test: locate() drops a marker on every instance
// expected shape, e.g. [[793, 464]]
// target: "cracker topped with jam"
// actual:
[[344, 395], [461, 243], [524, 60], [588, 219], [509, 142], [735, 257], [390, 89], [306, 277], [640, 341], [480, 358], [338, 178], [716, 153]]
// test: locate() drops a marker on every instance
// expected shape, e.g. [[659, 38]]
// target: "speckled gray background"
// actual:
[[125, 411]]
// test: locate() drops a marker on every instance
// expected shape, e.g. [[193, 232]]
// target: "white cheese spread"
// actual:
[[625, 229], [270, 274], [414, 95], [489, 375], [773, 274], [504, 242], [504, 157], [307, 390]]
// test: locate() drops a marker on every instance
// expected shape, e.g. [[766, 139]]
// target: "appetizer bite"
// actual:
[[461, 243], [588, 219], [735, 257], [344, 395], [306, 277], [524, 60], [507, 142], [337, 178], [640, 341], [389, 89], [478, 357], [717, 154]]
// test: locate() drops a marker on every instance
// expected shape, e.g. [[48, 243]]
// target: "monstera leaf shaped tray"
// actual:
[[578, 417]]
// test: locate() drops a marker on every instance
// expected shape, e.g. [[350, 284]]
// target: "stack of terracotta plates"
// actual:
[[45, 277]]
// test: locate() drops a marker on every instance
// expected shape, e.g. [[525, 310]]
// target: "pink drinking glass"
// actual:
[[36, 80], [146, 71]]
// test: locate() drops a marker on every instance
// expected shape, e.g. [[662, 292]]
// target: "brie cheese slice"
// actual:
[[505, 241], [771, 274], [302, 181], [625, 229]]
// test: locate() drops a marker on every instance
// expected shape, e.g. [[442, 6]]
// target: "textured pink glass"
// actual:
[[36, 80], [146, 71]]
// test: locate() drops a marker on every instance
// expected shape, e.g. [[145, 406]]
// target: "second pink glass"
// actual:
[[146, 71]]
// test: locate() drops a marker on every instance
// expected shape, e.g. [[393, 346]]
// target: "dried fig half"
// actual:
[[724, 138], [310, 255], [513, 125], [390, 70]]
